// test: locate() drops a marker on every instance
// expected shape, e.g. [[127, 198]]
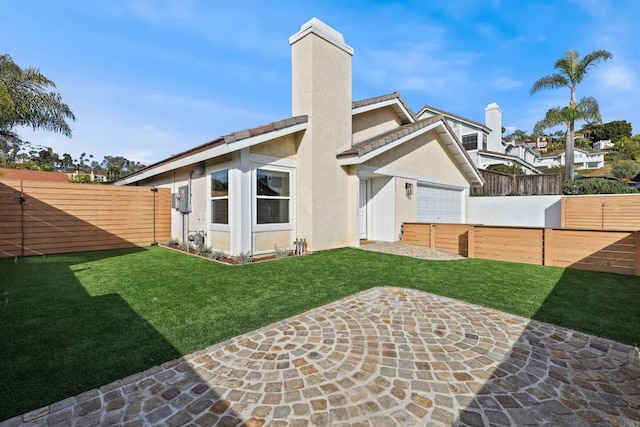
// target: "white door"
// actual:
[[362, 211], [439, 204]]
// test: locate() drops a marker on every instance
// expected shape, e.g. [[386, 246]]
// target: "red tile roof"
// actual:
[[29, 175]]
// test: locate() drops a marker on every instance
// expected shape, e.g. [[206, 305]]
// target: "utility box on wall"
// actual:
[[183, 199]]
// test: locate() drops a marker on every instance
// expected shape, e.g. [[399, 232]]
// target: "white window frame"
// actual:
[[220, 227], [254, 198]]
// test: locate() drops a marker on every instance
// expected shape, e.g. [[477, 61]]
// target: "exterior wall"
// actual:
[[268, 240], [284, 147], [374, 122], [197, 220], [321, 80], [521, 211], [220, 240], [406, 206], [425, 157]]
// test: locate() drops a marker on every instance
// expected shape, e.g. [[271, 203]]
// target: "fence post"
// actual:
[[547, 246], [637, 247], [432, 236], [563, 211], [471, 233]]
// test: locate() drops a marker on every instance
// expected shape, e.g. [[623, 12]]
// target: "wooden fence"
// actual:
[[501, 184], [38, 218], [613, 251], [604, 212]]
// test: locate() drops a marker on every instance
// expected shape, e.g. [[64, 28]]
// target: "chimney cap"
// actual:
[[322, 30], [493, 106]]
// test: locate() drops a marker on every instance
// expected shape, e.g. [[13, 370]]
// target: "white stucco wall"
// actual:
[[522, 211]]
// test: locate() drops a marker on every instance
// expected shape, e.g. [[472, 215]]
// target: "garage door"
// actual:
[[439, 204]]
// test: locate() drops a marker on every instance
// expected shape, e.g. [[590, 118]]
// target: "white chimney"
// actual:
[[493, 120]]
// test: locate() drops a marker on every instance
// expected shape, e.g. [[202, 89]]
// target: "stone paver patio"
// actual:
[[383, 357]]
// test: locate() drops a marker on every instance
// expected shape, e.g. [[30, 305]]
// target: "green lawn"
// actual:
[[73, 322]]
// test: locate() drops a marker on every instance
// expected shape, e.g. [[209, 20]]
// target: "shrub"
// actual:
[[217, 255], [203, 249], [185, 246], [172, 242], [281, 252], [242, 258], [508, 169], [625, 169], [595, 186]]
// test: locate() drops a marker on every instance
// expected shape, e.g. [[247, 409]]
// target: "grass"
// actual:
[[72, 322]]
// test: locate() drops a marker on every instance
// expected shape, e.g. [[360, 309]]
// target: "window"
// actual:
[[220, 197], [484, 142], [470, 142], [272, 196]]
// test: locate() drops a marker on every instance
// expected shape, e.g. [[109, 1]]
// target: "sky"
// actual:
[[150, 78]]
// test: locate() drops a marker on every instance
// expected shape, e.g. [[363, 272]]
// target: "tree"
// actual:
[[26, 99], [571, 71], [616, 130]]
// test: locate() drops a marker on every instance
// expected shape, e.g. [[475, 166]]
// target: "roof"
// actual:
[[278, 128], [388, 99], [29, 175], [511, 157], [363, 150], [455, 116], [368, 145]]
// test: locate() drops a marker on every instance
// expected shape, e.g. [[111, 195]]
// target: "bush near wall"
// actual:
[[596, 186]]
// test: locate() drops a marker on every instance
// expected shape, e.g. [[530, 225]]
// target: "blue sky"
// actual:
[[147, 79]]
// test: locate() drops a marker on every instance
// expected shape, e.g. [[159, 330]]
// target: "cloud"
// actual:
[[417, 66], [618, 77], [140, 124], [505, 83]]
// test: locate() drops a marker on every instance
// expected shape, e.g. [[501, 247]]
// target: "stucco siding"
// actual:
[[375, 122], [321, 75], [423, 156], [220, 240], [267, 241], [284, 147]]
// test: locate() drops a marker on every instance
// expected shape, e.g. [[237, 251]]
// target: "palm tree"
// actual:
[[571, 70], [26, 99]]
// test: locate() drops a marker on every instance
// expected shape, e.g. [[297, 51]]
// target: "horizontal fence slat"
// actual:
[[64, 217], [614, 251]]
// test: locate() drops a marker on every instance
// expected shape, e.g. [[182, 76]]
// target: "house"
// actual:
[[582, 159], [484, 142], [333, 173], [30, 175], [603, 144]]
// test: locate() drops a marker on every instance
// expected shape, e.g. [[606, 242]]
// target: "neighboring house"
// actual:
[[334, 173], [92, 176], [29, 175], [583, 159], [484, 143], [603, 144]]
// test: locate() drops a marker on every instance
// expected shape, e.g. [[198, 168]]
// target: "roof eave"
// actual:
[[215, 151]]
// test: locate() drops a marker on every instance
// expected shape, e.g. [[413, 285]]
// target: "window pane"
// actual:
[[273, 211], [220, 183], [272, 183], [220, 211], [470, 142]]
